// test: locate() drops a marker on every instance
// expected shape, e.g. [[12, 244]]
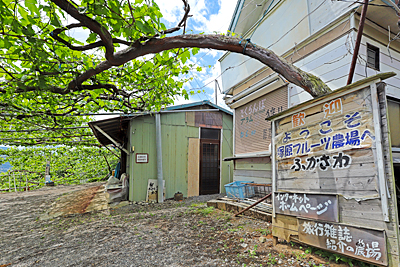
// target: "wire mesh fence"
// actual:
[[257, 191]]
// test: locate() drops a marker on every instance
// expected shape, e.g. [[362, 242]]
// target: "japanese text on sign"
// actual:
[[249, 118], [298, 143], [339, 161], [252, 130], [298, 119], [365, 244], [142, 158], [332, 108], [319, 206]]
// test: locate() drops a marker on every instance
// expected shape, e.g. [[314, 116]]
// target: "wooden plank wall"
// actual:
[[360, 179], [255, 176], [193, 167], [253, 169], [359, 212]]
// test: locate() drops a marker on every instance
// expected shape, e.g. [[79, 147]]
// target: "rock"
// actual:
[[121, 204], [244, 245], [262, 239], [280, 261]]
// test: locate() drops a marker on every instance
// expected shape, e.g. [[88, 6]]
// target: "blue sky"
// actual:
[[209, 16]]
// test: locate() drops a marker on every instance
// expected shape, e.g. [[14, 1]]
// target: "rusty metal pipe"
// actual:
[[358, 42], [252, 205]]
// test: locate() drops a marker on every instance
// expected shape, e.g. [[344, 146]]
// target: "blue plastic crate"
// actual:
[[239, 189]]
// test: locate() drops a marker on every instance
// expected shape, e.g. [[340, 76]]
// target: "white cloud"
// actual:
[[220, 22], [202, 19], [171, 10]]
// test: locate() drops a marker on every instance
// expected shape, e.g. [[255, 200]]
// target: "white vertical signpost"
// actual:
[[47, 173]]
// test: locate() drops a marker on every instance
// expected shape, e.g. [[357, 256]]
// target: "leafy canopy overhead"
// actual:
[[44, 68], [48, 76]]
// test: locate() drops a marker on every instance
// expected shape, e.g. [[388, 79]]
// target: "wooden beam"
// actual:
[[110, 138], [379, 152]]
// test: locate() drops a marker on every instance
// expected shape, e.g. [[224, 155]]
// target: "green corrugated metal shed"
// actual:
[[180, 145]]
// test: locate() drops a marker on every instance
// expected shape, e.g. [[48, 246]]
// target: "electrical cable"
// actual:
[[358, 2]]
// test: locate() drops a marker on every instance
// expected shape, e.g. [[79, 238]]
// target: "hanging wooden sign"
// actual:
[[317, 206], [328, 148], [365, 244]]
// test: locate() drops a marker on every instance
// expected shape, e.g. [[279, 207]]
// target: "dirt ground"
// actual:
[[173, 233]]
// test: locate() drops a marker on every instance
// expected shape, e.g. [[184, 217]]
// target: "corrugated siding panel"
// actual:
[[252, 131], [143, 138], [226, 151], [175, 144]]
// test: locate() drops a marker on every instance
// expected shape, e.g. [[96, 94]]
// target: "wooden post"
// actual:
[[15, 186], [26, 180], [273, 167], [9, 182], [379, 152], [358, 42], [274, 241]]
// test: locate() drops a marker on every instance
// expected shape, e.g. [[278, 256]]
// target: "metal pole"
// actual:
[[215, 92], [358, 41], [26, 179], [229, 173], [9, 183], [252, 205], [160, 179]]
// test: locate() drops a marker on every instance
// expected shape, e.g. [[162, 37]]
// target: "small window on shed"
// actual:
[[372, 57], [208, 133]]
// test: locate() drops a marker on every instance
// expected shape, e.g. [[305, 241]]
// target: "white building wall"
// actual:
[[280, 21], [388, 62], [330, 63], [324, 12]]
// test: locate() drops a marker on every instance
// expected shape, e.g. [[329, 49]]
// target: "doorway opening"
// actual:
[[209, 161]]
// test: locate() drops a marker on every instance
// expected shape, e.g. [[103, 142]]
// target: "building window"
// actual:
[[207, 133], [372, 57], [394, 121]]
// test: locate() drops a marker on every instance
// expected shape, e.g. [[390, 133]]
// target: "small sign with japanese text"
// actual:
[[142, 158], [317, 206], [365, 244]]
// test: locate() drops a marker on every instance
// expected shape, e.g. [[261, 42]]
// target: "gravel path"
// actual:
[[170, 234]]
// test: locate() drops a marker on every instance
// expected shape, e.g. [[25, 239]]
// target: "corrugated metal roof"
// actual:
[[200, 103], [114, 127]]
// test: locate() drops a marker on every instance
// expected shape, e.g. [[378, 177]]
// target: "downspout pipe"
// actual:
[[358, 42], [159, 160], [238, 9]]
